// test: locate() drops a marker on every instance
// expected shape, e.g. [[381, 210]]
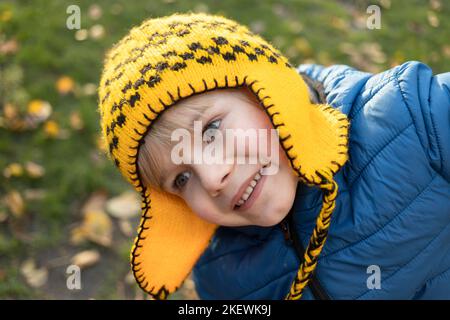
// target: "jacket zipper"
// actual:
[[292, 240]]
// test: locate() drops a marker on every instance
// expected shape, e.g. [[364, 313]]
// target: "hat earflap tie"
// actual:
[[329, 188]]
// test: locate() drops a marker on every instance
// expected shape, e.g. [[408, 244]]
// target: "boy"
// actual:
[[386, 209]]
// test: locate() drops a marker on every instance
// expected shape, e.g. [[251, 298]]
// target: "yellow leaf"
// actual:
[[95, 12], [34, 170], [39, 110], [65, 85], [124, 206], [51, 128], [81, 35], [75, 121], [5, 15], [13, 170], [15, 203], [303, 47], [35, 277], [86, 258], [97, 31], [96, 202], [433, 20], [10, 111], [98, 227]]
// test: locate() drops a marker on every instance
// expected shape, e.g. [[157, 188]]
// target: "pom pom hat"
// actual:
[[167, 59]]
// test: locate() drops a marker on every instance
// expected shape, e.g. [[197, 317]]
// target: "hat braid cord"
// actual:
[[318, 238]]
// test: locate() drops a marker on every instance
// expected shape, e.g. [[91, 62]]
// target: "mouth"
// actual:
[[249, 191]]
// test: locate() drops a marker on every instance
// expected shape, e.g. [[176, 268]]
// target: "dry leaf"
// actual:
[[96, 227], [51, 129], [39, 110], [5, 15], [10, 111], [81, 35], [34, 170], [97, 31], [34, 194], [13, 170], [89, 89], [433, 20], [75, 121], [3, 216], [86, 258], [126, 228], [65, 84], [95, 202], [9, 47], [15, 203], [124, 206], [35, 277], [303, 46], [95, 12]]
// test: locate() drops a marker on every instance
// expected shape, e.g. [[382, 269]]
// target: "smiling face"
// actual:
[[213, 190]]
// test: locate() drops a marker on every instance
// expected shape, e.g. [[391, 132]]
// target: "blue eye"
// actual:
[[181, 180], [210, 129]]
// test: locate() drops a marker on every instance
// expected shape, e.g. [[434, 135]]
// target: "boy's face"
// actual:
[[213, 190]]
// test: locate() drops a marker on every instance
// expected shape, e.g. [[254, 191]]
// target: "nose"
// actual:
[[214, 177]]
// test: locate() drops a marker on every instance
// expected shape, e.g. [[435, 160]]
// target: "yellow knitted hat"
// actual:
[[170, 58]]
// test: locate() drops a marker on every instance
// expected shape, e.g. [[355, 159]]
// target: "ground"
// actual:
[[56, 183]]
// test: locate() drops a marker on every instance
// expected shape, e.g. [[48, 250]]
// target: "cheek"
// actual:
[[200, 206]]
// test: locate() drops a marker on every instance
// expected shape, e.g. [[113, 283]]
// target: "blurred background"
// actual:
[[61, 201]]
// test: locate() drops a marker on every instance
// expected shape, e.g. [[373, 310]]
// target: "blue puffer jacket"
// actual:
[[392, 208]]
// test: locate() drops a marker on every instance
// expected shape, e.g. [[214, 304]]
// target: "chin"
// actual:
[[273, 219]]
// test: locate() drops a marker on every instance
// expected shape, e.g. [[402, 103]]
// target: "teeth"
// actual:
[[249, 189]]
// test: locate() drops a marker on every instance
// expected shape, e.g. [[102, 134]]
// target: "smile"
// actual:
[[248, 192]]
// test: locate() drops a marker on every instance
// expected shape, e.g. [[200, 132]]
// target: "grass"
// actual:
[[306, 31]]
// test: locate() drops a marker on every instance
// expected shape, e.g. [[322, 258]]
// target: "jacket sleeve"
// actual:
[[428, 100], [426, 97]]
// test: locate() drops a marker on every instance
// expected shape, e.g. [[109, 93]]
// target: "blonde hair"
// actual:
[[157, 142]]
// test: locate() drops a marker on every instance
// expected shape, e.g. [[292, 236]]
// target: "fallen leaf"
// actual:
[[86, 258], [65, 84], [81, 35], [5, 15], [39, 110], [75, 121], [97, 31], [95, 12], [51, 129], [35, 277], [89, 89], [126, 228], [10, 111], [96, 201], [435, 5], [446, 50], [303, 46], [96, 227], [13, 170], [124, 206], [34, 194], [15, 203], [34, 170], [3, 216], [433, 20], [9, 47]]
